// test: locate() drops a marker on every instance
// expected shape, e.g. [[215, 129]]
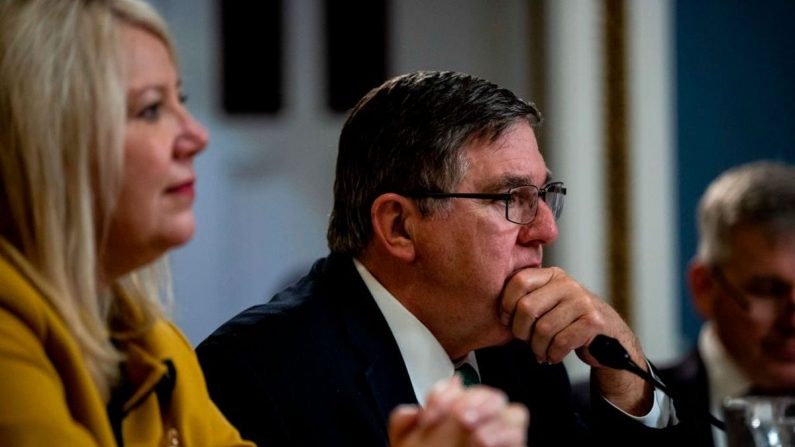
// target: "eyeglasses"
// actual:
[[521, 202], [764, 301]]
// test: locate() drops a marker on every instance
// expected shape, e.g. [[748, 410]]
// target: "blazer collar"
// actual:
[[383, 368]]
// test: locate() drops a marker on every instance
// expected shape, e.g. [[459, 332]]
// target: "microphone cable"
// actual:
[[610, 353]]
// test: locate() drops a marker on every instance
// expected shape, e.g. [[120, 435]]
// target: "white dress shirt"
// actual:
[[723, 376], [426, 360]]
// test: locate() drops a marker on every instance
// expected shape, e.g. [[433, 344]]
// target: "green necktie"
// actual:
[[468, 374]]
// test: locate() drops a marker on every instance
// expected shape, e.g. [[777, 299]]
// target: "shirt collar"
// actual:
[[723, 375], [426, 360]]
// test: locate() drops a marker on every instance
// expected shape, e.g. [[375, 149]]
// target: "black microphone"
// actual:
[[609, 352]]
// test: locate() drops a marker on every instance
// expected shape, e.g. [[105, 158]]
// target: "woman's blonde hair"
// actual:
[[62, 119]]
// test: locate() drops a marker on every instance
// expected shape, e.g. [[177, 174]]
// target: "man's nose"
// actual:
[[543, 229]]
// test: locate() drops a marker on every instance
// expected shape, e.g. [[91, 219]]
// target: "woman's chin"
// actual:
[[179, 237]]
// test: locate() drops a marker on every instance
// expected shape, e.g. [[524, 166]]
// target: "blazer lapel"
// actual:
[[389, 384], [383, 369]]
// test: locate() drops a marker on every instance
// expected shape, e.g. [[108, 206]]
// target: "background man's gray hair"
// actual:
[[760, 194]]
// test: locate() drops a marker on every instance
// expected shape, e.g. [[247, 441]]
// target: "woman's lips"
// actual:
[[183, 189]]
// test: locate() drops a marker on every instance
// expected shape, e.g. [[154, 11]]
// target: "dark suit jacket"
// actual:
[[318, 365], [687, 379]]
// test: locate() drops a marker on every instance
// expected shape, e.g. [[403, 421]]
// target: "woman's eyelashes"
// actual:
[[151, 112], [152, 109]]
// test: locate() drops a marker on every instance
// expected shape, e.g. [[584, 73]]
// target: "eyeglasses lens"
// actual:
[[523, 205]]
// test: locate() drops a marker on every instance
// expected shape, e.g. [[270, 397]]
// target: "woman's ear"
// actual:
[[392, 216], [702, 287]]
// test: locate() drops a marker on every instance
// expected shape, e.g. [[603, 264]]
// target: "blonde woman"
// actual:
[[96, 155], [96, 185]]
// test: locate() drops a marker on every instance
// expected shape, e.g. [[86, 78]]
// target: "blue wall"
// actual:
[[735, 74]]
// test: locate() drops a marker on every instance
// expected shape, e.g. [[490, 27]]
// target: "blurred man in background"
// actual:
[[743, 284]]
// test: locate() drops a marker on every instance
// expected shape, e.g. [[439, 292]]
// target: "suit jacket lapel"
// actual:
[[383, 369], [389, 384]]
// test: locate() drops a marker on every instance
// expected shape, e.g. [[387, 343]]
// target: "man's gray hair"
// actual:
[[760, 194]]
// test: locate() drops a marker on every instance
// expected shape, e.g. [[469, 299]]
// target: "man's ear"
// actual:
[[702, 287], [393, 217]]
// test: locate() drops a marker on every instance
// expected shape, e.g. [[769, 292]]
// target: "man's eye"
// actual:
[[768, 289], [520, 198]]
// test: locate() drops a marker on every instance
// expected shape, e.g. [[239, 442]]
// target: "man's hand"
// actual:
[[556, 315], [454, 416]]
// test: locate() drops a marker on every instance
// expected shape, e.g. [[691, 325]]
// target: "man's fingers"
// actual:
[[401, 422], [522, 283], [556, 317], [442, 396], [573, 337], [530, 294], [478, 416], [478, 404], [507, 430]]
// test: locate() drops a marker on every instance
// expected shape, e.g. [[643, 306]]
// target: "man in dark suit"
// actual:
[[442, 207], [743, 283]]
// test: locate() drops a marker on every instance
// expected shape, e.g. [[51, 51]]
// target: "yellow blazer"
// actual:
[[47, 396]]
